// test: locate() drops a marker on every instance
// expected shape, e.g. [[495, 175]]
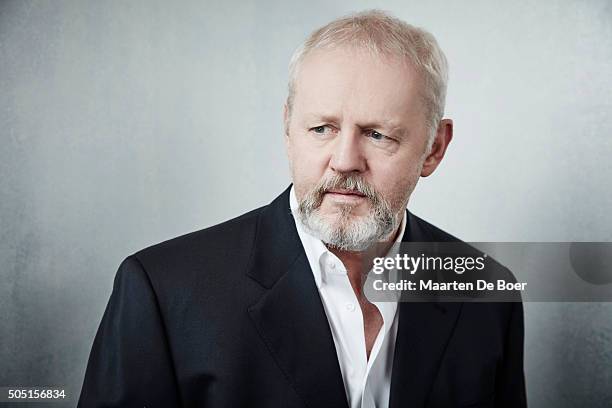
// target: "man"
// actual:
[[267, 310]]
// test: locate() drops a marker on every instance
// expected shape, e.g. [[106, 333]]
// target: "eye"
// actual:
[[377, 135], [321, 130]]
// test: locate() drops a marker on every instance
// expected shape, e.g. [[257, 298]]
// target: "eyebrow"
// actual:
[[322, 117]]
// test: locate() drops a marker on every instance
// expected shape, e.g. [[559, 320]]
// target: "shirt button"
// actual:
[[350, 307], [331, 265]]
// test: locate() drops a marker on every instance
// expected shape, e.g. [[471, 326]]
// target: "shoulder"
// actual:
[[200, 256], [427, 232], [225, 235]]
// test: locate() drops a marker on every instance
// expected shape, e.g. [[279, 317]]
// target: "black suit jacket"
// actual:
[[230, 316]]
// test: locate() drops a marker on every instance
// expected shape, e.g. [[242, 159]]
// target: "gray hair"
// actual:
[[383, 34]]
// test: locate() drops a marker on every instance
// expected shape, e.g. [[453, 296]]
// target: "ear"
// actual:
[[443, 137], [286, 130], [286, 119]]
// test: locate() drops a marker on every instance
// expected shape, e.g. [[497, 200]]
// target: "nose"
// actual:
[[347, 155]]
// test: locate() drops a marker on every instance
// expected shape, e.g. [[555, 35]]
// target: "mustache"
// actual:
[[343, 182]]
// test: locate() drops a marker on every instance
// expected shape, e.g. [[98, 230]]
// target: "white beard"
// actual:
[[343, 230]]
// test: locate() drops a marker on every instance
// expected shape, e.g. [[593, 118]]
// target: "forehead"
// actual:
[[355, 82]]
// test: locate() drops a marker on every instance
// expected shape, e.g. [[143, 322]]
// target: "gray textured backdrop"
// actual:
[[127, 123]]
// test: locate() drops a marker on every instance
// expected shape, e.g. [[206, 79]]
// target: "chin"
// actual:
[[341, 216], [334, 208]]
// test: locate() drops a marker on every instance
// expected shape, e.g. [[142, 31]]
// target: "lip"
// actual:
[[345, 196], [345, 192]]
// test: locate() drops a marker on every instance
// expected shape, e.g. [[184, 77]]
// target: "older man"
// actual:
[[267, 310]]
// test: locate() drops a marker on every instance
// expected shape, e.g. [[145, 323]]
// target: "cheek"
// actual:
[[308, 165], [396, 180]]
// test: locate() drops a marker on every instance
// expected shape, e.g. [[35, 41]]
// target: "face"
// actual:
[[356, 139]]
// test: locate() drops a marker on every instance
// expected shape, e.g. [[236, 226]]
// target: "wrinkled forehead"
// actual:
[[359, 81]]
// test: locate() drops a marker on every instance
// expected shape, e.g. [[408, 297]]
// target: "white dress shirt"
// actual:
[[367, 382]]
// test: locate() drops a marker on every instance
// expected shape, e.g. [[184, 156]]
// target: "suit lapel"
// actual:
[[424, 329], [423, 332], [290, 317]]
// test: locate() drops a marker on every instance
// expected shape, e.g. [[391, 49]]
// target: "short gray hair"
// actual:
[[383, 34]]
